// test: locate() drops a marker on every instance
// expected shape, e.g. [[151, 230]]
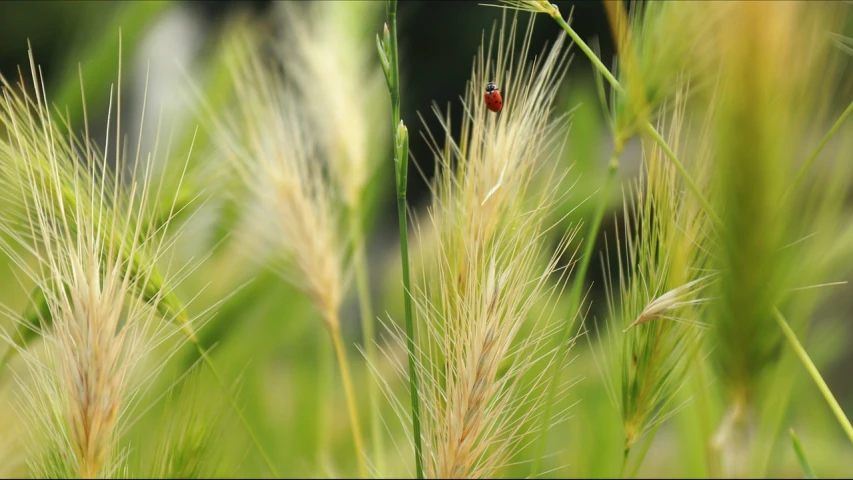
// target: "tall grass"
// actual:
[[83, 220], [481, 380], [718, 329], [275, 153], [656, 308], [328, 54]]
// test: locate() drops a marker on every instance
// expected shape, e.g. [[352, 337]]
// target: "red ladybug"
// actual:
[[493, 98]]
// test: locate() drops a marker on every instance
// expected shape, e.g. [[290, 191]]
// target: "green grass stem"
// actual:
[[388, 52], [647, 127], [813, 372], [808, 472], [802, 172]]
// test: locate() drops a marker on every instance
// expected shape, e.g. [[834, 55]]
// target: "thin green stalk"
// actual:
[[388, 53], [588, 52], [362, 280], [410, 341], [642, 456], [574, 301], [325, 391], [808, 472], [801, 174], [625, 454], [650, 129], [349, 393], [647, 127], [813, 372]]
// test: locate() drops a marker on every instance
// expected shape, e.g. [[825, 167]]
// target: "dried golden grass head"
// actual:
[[274, 150], [484, 301], [85, 219], [498, 155], [328, 53]]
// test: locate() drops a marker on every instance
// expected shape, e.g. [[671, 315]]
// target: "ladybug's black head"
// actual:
[[491, 87]]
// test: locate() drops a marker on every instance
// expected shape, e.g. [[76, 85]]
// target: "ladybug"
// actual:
[[493, 98]]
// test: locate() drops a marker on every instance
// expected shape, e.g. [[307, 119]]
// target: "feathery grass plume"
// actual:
[[328, 53], [655, 307], [663, 49], [339, 79], [773, 61], [482, 382], [84, 223], [276, 154], [28, 151]]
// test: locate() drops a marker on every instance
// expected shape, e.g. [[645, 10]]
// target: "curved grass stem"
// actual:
[[349, 392], [802, 172], [814, 373], [362, 280], [389, 57], [652, 132], [605, 72], [647, 127]]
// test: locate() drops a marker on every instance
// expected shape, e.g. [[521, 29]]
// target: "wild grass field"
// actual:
[[212, 263]]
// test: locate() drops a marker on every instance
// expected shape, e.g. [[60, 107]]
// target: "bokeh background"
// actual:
[[260, 331]]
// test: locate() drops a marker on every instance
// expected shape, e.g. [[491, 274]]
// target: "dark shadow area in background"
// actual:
[[438, 41]]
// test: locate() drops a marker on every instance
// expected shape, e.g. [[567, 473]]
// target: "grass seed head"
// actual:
[[659, 297], [482, 374], [328, 54], [83, 211], [274, 150]]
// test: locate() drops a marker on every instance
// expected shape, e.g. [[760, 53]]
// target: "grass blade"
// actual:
[[801, 456], [818, 379]]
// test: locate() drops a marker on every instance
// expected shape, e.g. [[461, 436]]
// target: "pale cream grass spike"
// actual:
[[271, 148], [331, 59], [275, 152], [83, 225], [484, 304]]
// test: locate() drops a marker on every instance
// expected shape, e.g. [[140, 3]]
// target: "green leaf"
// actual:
[[801, 456]]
